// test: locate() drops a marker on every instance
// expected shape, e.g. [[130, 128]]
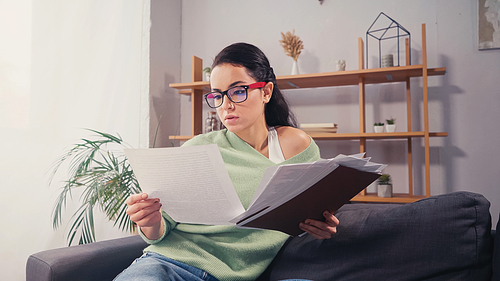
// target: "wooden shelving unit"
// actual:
[[361, 78]]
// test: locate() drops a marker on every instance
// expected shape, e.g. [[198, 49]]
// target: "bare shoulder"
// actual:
[[292, 140]]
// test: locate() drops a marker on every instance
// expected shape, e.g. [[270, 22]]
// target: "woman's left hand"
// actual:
[[319, 229]]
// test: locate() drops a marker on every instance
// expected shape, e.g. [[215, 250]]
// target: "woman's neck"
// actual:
[[256, 137]]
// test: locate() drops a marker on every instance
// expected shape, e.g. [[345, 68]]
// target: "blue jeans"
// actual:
[[155, 267]]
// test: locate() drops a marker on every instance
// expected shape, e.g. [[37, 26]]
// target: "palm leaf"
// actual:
[[106, 180]]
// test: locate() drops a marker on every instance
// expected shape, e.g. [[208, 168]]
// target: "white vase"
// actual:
[[390, 128], [378, 129], [295, 68], [384, 190]]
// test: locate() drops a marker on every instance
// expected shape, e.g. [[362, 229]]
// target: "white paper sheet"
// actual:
[[191, 182], [194, 186]]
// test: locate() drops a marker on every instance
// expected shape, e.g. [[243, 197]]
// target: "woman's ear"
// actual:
[[268, 91]]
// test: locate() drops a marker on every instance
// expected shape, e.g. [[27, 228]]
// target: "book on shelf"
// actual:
[[319, 131], [313, 128], [286, 195], [317, 125]]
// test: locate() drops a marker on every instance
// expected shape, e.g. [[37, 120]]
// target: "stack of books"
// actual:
[[319, 128]]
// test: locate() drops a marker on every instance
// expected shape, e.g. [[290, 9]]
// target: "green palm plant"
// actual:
[[106, 180]]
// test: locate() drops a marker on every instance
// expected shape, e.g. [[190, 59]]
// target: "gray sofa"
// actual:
[[444, 237]]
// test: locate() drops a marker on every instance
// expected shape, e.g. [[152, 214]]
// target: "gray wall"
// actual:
[[165, 63]]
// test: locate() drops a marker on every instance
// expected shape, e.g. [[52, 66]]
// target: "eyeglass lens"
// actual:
[[236, 94]]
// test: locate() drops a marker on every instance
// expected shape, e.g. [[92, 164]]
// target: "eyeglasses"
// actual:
[[235, 94]]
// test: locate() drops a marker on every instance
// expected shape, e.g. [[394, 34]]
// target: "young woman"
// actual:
[[260, 132]]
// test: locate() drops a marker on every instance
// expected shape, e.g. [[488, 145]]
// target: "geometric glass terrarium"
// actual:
[[385, 28]]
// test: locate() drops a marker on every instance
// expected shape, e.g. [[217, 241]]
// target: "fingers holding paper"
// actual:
[[144, 211], [319, 229]]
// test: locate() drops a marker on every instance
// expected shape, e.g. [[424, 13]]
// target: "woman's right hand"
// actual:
[[146, 213]]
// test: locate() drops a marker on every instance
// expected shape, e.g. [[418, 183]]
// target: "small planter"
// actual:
[[390, 128], [384, 190], [391, 125], [378, 129], [384, 186]]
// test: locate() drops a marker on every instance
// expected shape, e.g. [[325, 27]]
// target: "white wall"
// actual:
[[64, 66], [463, 103]]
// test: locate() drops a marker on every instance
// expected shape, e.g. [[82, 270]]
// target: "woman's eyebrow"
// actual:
[[235, 83], [230, 86]]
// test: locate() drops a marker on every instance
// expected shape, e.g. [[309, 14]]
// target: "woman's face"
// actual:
[[247, 115]]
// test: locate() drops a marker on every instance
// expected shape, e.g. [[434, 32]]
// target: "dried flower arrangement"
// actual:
[[292, 44]]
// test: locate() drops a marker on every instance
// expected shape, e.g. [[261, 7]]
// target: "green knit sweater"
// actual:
[[228, 252]]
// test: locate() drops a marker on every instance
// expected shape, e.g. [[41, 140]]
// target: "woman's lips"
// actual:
[[230, 119]]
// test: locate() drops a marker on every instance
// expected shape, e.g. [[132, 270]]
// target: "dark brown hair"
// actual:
[[277, 111]]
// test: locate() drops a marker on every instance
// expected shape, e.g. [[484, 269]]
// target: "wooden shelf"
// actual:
[[357, 136], [333, 79], [354, 136], [359, 78], [200, 85], [397, 198], [351, 77], [180, 138]]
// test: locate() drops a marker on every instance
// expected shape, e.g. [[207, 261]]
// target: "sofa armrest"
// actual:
[[96, 261]]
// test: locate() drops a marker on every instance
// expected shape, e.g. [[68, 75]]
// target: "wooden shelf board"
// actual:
[[354, 136], [351, 77], [185, 92], [201, 85], [397, 198], [337, 78], [180, 138]]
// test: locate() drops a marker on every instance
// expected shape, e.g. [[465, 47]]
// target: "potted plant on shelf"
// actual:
[[206, 71], [384, 186], [378, 127], [391, 125], [103, 174]]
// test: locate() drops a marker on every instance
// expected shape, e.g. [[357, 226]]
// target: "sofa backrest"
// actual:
[[444, 237]]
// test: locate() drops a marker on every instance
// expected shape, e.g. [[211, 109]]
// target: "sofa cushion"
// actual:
[[444, 237]]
